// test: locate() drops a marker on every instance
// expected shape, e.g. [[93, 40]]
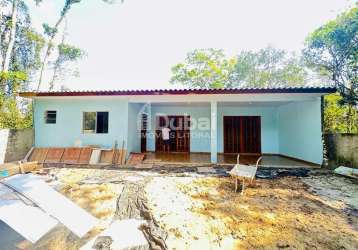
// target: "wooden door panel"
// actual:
[[242, 134], [179, 134]]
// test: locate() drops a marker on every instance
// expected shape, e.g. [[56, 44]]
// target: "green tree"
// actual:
[[205, 68], [335, 115], [332, 50], [268, 67]]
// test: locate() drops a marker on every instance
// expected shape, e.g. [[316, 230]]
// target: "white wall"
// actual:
[[133, 127], [269, 132], [300, 133], [68, 127], [199, 136]]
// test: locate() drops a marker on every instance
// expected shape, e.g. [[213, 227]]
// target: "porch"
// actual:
[[180, 158], [286, 129]]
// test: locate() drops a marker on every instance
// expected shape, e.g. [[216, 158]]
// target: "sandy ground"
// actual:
[[203, 212]]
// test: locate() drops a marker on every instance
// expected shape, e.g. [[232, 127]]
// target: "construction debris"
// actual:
[[135, 158], [77, 156], [113, 238], [9, 169], [23, 216], [52, 202], [345, 171]]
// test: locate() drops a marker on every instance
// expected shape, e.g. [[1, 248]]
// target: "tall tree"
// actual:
[[332, 49], [51, 33], [204, 68], [268, 67], [11, 40]]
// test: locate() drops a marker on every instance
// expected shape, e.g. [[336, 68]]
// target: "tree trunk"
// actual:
[[57, 64], [49, 50], [349, 118], [10, 46]]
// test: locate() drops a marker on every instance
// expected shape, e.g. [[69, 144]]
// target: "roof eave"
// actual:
[[302, 90]]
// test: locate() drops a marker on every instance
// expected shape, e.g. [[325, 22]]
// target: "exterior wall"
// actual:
[[133, 127], [68, 127], [15, 143], [269, 131], [292, 129], [300, 133], [199, 137], [341, 149]]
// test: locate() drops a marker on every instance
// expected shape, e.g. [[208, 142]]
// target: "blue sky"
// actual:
[[132, 45]]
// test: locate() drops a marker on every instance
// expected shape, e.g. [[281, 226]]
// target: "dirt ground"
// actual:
[[203, 212]]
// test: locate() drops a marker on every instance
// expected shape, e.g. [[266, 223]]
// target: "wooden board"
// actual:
[[242, 134], [85, 156], [71, 155], [135, 158], [120, 158], [179, 134], [8, 169], [39, 155], [54, 155], [106, 156]]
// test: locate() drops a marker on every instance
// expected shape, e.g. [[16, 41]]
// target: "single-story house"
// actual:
[[268, 121]]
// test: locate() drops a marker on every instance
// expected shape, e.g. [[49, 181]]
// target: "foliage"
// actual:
[[332, 49], [66, 53], [268, 67], [335, 116], [11, 116], [204, 68]]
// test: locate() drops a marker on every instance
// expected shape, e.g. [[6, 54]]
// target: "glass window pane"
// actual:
[[102, 122], [50, 116], [89, 122]]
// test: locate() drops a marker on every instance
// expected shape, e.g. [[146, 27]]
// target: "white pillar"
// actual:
[[213, 131]]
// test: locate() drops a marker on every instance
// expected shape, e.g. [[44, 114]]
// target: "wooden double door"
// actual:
[[179, 133], [242, 134]]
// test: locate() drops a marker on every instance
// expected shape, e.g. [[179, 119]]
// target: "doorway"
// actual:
[[179, 133], [143, 133], [242, 134]]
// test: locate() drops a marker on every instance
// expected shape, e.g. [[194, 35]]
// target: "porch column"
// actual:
[[213, 131]]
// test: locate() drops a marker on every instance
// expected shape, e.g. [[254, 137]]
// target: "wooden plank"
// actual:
[[135, 158], [120, 156], [95, 156], [85, 156], [27, 156], [29, 166], [71, 155], [54, 155], [39, 155], [8, 169], [106, 156]]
